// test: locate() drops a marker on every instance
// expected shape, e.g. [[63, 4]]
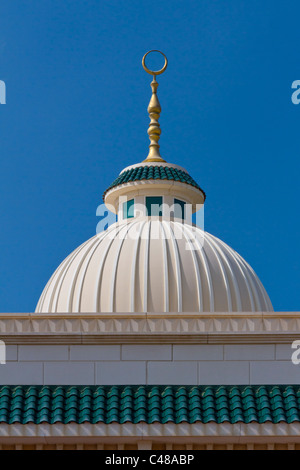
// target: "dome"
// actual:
[[151, 264], [154, 259]]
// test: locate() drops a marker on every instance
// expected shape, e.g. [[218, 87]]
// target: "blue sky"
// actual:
[[76, 116]]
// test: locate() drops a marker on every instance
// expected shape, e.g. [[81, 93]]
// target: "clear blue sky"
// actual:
[[76, 116]]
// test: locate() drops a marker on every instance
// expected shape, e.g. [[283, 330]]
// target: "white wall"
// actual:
[[149, 364]]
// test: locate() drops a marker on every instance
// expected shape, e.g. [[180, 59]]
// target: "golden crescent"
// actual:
[[155, 72]]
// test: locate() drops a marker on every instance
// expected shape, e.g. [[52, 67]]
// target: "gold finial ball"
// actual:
[[155, 72]]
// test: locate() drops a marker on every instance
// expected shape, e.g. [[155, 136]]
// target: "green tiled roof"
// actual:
[[52, 404], [154, 173]]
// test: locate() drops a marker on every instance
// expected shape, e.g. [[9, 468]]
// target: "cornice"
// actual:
[[205, 328], [182, 432]]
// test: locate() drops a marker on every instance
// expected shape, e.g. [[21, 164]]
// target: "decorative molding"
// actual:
[[185, 328], [170, 432]]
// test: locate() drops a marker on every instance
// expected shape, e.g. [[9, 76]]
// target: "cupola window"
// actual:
[[154, 205], [179, 209], [128, 209]]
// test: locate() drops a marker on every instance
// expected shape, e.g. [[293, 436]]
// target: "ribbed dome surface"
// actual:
[[154, 265]]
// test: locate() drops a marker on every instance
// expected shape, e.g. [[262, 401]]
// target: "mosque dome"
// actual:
[[154, 265], [154, 259]]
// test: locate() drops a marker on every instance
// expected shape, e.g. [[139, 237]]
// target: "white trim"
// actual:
[[143, 187], [142, 327]]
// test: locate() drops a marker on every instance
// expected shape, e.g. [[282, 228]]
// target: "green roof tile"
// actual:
[[24, 404], [154, 172]]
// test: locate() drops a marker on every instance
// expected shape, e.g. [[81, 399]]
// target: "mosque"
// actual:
[[153, 334]]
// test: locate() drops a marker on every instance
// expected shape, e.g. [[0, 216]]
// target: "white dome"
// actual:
[[147, 265]]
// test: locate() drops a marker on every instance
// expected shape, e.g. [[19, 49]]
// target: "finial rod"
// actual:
[[154, 110]]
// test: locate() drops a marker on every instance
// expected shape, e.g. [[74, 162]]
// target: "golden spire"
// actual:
[[154, 110]]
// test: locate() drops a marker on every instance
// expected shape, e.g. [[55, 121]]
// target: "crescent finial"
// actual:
[[154, 110]]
